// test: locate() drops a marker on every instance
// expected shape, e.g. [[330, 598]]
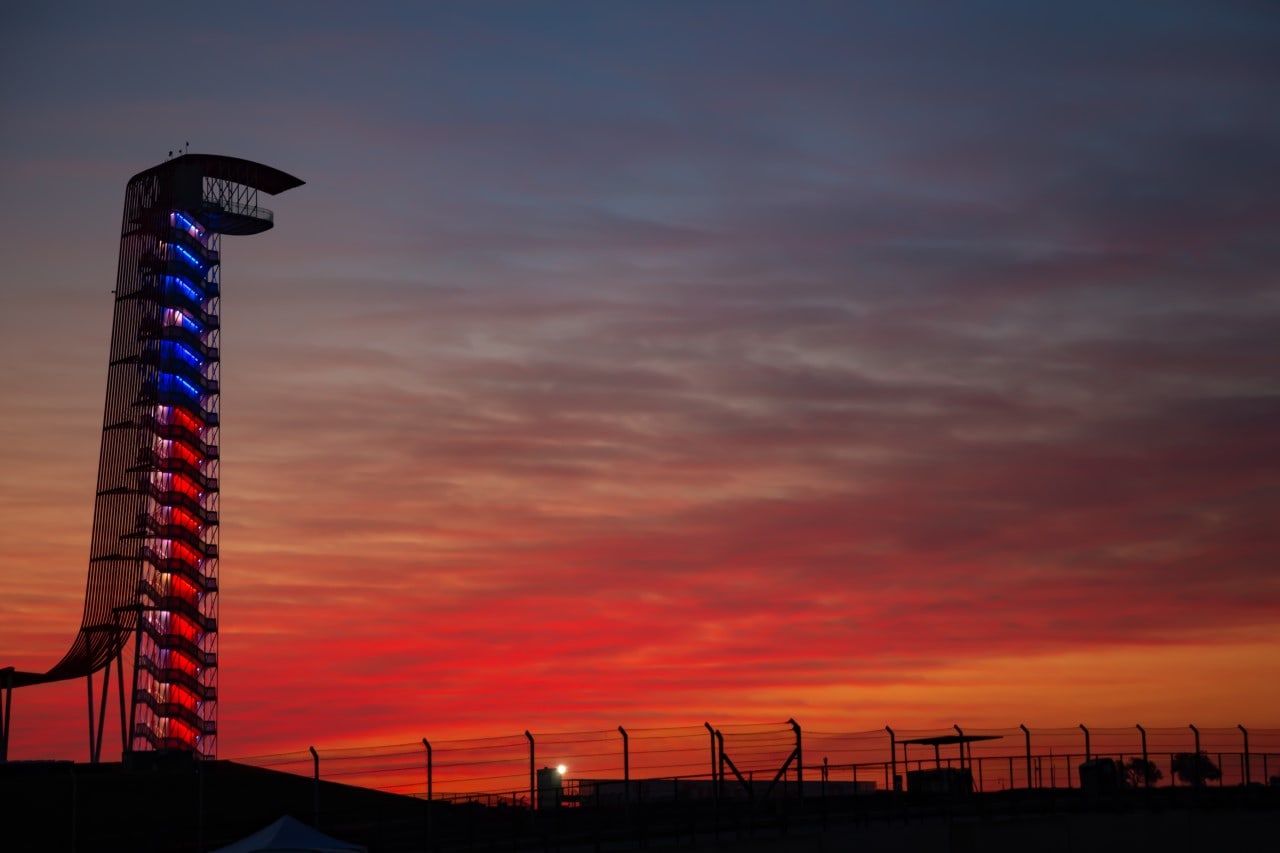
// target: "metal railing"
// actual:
[[688, 763], [235, 208]]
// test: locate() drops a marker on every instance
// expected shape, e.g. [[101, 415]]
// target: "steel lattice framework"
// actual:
[[153, 562]]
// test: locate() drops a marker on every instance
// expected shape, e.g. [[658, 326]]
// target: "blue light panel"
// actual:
[[173, 349], [184, 286], [188, 257], [170, 382]]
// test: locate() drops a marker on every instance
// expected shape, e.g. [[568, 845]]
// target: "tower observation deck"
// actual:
[[153, 558]]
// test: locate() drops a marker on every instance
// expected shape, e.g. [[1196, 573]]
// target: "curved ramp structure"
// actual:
[[153, 558]]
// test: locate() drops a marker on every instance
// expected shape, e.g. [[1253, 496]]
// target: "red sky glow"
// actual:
[[647, 367]]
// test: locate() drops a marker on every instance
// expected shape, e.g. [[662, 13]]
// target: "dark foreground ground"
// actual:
[[185, 807]]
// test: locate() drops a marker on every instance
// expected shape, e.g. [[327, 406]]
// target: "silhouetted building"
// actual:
[[550, 787]]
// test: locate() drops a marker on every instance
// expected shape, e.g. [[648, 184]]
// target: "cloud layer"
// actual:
[[624, 368]]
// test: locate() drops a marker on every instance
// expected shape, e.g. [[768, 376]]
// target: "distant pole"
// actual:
[[712, 733], [1245, 732], [1197, 779], [1146, 765], [961, 733], [428, 746], [626, 765], [719, 785], [1026, 734], [1088, 753], [315, 799], [795, 727], [893, 759], [533, 785]]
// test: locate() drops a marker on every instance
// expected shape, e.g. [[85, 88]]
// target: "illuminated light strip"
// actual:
[[187, 486], [190, 258], [167, 380], [184, 663], [180, 695], [185, 733], [169, 414], [192, 418], [185, 589], [177, 318], [184, 519], [180, 451], [183, 627], [172, 491], [183, 352], [193, 229], [185, 286], [181, 551], [184, 418]]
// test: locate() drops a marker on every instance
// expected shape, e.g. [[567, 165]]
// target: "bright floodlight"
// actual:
[[561, 769]]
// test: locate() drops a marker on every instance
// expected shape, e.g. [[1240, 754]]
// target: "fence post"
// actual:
[[1247, 775], [1026, 734], [315, 804], [719, 786], [1198, 781], [1146, 763], [533, 785], [712, 733], [427, 744], [626, 767], [799, 760], [892, 781]]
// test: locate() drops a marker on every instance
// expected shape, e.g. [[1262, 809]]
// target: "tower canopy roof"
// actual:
[[240, 171]]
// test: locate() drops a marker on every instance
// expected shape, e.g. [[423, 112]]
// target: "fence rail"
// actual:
[[778, 758]]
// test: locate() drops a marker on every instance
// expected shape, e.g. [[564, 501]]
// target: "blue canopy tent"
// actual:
[[288, 834]]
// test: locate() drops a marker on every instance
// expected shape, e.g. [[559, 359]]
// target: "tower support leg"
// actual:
[[102, 712], [6, 712]]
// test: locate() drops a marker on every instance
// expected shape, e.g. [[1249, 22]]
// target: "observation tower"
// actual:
[[153, 558]]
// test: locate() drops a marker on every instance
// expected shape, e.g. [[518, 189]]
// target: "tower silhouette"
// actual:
[[153, 560]]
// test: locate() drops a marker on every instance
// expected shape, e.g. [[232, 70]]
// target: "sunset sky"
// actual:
[[660, 362]]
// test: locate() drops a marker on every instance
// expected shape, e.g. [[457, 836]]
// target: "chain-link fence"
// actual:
[[774, 759]]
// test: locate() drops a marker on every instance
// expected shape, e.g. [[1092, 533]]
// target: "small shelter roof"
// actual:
[[288, 834]]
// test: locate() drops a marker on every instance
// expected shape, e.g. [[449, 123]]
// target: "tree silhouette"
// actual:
[[1195, 768], [1141, 772]]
